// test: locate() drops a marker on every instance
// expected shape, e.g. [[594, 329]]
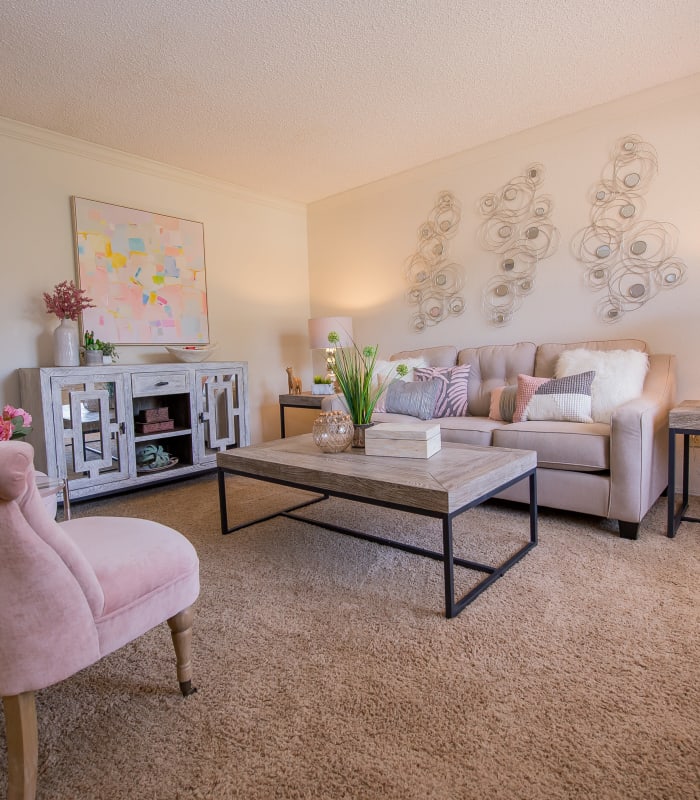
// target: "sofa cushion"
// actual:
[[527, 386], [548, 354], [385, 372], [452, 399], [492, 366], [468, 430], [502, 406], [577, 446], [619, 376], [415, 398], [443, 356], [462, 430], [565, 399]]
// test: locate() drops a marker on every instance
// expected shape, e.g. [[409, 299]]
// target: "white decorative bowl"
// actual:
[[193, 354]]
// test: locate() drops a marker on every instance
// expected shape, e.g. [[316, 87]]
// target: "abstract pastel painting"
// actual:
[[145, 272]]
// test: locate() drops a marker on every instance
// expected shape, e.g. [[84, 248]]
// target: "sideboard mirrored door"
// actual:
[[220, 411], [90, 429]]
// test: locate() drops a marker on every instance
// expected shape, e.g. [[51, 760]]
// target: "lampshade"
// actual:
[[320, 327]]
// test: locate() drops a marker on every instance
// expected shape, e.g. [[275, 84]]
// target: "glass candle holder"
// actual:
[[333, 431]]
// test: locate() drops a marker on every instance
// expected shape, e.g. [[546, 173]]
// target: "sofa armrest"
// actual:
[[639, 443], [334, 402]]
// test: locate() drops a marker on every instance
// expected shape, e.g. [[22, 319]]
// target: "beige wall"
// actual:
[[256, 255], [359, 241]]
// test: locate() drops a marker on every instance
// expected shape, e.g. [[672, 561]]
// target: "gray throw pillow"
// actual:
[[415, 398]]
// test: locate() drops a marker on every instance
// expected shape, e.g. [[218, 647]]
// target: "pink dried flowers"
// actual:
[[14, 423], [67, 301]]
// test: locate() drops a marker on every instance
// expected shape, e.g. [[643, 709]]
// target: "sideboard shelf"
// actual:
[[84, 420]]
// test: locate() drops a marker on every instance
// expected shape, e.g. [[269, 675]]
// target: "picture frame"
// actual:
[[144, 271]]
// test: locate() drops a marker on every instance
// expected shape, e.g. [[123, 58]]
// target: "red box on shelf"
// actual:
[[155, 427], [153, 414]]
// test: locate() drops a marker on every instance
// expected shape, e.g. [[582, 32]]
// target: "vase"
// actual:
[[358, 437], [66, 350], [332, 431]]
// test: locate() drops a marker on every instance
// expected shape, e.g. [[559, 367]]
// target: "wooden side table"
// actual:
[[303, 400], [683, 420]]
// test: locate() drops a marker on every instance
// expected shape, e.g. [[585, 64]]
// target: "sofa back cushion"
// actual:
[[443, 356], [548, 354], [492, 366]]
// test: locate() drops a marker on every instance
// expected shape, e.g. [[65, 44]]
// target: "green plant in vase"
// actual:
[[93, 348], [354, 372]]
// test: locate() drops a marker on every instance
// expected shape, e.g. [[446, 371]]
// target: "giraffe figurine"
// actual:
[[293, 382]]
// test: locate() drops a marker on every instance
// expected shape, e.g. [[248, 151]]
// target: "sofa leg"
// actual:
[[181, 631], [628, 530], [22, 746]]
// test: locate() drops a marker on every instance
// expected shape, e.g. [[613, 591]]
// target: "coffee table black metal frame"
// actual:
[[452, 607]]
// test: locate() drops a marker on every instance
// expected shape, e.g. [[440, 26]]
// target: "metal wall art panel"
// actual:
[[628, 258], [435, 283], [518, 226]]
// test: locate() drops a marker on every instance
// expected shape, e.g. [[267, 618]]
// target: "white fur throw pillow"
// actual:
[[619, 376]]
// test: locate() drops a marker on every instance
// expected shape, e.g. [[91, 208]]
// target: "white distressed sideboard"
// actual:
[[86, 420]]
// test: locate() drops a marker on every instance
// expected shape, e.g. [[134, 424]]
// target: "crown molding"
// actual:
[[42, 137]]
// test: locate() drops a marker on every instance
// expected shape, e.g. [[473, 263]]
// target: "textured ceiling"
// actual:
[[306, 98]]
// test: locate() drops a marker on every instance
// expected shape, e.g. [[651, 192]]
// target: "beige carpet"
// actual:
[[326, 668]]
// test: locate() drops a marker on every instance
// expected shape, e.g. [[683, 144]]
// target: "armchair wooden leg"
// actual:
[[22, 746], [181, 631]]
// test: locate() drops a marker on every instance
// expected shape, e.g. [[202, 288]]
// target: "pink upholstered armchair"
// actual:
[[71, 593]]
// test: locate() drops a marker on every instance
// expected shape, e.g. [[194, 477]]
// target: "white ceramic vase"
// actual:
[[66, 349]]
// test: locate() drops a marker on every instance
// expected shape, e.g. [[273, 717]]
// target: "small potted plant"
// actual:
[[93, 349], [109, 352], [354, 371], [323, 384]]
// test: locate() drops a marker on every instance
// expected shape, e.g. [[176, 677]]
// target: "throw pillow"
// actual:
[[452, 401], [619, 376], [415, 398], [385, 372], [527, 386], [502, 405], [562, 399]]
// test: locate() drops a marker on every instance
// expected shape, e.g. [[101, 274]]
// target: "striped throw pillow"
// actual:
[[452, 399]]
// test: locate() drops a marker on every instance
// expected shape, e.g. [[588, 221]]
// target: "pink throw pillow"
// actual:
[[495, 404], [527, 386], [452, 399]]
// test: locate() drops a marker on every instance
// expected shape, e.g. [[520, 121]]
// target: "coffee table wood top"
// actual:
[[453, 478]]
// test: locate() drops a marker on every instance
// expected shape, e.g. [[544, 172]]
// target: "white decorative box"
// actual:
[[416, 440]]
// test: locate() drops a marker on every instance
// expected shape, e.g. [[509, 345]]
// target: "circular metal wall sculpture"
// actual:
[[631, 258], [519, 228], [434, 283]]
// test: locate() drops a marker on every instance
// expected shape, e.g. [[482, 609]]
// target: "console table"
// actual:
[[683, 420], [88, 421]]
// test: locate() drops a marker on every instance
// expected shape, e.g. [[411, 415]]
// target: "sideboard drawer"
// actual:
[[147, 383]]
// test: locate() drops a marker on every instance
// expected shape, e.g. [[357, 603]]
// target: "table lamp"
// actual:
[[319, 328]]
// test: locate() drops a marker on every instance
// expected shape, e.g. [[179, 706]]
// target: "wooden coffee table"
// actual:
[[449, 483]]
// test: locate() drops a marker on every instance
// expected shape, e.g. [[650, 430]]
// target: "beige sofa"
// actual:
[[615, 470]]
